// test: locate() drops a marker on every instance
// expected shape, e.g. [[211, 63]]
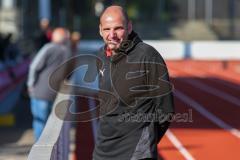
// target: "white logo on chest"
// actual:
[[102, 72]]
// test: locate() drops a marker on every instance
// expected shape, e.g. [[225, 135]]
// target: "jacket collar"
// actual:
[[132, 40], [126, 46]]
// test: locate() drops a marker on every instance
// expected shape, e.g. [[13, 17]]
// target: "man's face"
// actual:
[[114, 30]]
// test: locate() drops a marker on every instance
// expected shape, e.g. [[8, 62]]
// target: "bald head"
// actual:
[[114, 27], [59, 35], [114, 11]]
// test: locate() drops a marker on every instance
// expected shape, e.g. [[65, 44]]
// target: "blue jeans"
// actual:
[[40, 110]]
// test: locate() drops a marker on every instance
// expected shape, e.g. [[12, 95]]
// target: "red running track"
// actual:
[[207, 99], [214, 132]]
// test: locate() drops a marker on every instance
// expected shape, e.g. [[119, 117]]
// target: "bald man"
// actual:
[[49, 57], [134, 118]]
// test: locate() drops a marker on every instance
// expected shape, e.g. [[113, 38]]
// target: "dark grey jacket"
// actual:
[[131, 116], [46, 61]]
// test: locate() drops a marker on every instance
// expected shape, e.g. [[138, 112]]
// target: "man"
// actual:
[[131, 122], [75, 39], [46, 61], [44, 35]]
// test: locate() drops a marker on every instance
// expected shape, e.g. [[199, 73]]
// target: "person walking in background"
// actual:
[[134, 119], [75, 39], [45, 62], [44, 35]]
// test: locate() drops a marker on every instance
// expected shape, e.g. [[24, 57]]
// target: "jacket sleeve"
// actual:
[[36, 66], [158, 76]]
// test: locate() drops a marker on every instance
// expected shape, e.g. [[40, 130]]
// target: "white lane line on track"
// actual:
[[179, 145], [201, 109], [213, 91], [226, 83], [209, 89]]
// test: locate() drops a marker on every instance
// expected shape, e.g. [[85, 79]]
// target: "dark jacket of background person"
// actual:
[[45, 62], [4, 43], [44, 35]]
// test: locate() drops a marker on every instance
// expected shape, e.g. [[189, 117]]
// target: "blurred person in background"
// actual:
[[75, 39], [12, 52], [44, 35], [4, 43], [50, 56], [9, 54], [125, 55]]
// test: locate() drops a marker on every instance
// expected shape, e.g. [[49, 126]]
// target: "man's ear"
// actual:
[[100, 29], [129, 27]]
